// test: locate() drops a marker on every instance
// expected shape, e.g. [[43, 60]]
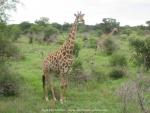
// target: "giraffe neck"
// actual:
[[111, 33], [69, 43]]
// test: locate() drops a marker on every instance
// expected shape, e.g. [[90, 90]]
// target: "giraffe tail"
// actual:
[[43, 80]]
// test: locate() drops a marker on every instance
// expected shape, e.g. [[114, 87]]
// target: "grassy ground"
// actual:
[[91, 95]]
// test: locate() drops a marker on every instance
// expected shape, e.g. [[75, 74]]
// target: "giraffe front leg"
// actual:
[[62, 90], [46, 92], [63, 85]]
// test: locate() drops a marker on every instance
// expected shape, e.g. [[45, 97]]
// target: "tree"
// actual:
[[35, 28], [25, 26], [82, 28], [148, 23], [57, 26], [66, 27], [108, 24], [43, 21], [35, 32], [15, 31], [4, 6], [8, 83], [6, 49], [140, 29], [48, 31]]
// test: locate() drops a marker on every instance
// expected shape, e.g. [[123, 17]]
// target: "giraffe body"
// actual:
[[60, 61], [100, 41]]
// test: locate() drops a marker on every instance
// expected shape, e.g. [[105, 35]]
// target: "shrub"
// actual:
[[126, 31], [76, 68], [98, 75], [99, 32], [60, 41], [91, 43], [77, 65], [9, 82], [142, 50], [49, 31], [117, 73], [15, 32], [76, 50], [78, 75], [118, 60], [7, 48], [123, 36], [109, 46]]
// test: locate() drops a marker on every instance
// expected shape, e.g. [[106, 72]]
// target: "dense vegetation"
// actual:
[[115, 79]]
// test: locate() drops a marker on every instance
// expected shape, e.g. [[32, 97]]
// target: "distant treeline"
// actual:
[[43, 27]]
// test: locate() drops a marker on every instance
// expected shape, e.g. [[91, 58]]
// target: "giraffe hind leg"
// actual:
[[51, 83], [47, 80], [53, 92], [43, 81], [45, 87]]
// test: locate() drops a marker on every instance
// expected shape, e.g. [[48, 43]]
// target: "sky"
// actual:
[[127, 12]]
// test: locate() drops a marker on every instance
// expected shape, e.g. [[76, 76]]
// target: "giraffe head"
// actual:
[[79, 17], [115, 29]]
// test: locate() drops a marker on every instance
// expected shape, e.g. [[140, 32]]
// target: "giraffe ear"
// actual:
[[75, 15]]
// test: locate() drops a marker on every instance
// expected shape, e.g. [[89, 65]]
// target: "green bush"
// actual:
[[60, 41], [76, 50], [126, 31], [25, 26], [91, 43], [98, 33], [98, 75], [16, 32], [76, 68], [123, 36], [109, 46], [117, 73], [142, 50], [48, 31], [7, 48], [77, 65], [118, 60], [9, 82]]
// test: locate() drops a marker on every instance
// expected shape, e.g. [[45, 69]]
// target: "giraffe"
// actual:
[[103, 37], [59, 62]]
